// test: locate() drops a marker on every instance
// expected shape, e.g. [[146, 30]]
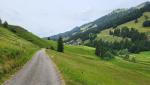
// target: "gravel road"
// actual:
[[40, 70]]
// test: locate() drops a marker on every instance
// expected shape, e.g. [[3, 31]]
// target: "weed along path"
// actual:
[[38, 71]]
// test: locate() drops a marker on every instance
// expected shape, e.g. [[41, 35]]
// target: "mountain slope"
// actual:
[[66, 34], [104, 35], [115, 18]]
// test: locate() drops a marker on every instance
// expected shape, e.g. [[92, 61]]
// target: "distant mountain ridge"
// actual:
[[113, 19], [66, 34]]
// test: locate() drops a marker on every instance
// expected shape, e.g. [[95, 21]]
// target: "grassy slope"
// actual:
[[105, 34], [21, 32], [80, 66], [14, 52], [138, 25], [143, 57]]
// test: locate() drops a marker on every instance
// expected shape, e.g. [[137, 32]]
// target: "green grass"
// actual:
[[143, 57], [139, 25], [52, 44], [14, 53], [104, 35], [79, 66], [21, 32]]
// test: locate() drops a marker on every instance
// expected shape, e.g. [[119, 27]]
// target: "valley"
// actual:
[[111, 50]]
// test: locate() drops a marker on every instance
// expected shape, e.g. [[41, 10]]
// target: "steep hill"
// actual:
[[14, 52], [17, 46], [21, 32]]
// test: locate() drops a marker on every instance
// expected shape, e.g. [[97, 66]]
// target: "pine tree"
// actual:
[[97, 50], [0, 22], [5, 24], [60, 46], [100, 48]]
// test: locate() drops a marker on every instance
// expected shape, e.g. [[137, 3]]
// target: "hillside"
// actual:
[[21, 32], [17, 46], [139, 26], [14, 52], [84, 68], [113, 19]]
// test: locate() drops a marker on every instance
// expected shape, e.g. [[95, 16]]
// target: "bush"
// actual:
[[108, 55], [126, 57], [51, 47], [146, 24], [133, 59], [123, 52]]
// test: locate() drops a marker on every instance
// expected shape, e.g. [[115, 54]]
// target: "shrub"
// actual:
[[126, 57], [133, 59], [123, 52], [108, 55], [146, 24], [51, 47]]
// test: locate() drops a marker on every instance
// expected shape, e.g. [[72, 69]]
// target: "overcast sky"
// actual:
[[49, 17]]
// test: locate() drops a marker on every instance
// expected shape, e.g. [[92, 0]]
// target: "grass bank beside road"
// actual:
[[14, 53]]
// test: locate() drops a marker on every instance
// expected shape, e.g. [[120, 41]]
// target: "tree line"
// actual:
[[132, 40], [5, 24]]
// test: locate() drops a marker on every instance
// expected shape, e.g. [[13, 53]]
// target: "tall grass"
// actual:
[[14, 53]]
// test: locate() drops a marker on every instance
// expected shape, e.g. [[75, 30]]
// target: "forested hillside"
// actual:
[[88, 32]]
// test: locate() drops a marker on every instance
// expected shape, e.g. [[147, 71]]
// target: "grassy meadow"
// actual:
[[79, 66]]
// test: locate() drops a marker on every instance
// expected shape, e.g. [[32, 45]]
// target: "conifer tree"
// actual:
[[60, 46], [0, 22], [5, 24]]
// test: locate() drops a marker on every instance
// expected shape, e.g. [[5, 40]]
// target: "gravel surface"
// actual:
[[40, 70]]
